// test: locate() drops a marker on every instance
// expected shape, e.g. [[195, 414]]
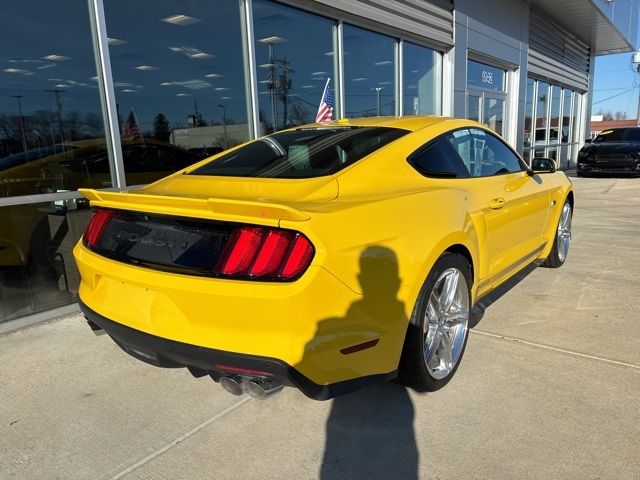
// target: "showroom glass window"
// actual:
[[179, 81], [528, 122], [557, 130], [542, 120], [50, 116], [554, 122], [294, 58], [51, 142], [369, 73], [421, 80]]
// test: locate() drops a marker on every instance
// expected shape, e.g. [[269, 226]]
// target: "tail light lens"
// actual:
[[96, 227], [265, 253], [238, 251]]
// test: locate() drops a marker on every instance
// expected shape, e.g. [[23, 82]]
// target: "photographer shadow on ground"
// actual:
[[369, 433]]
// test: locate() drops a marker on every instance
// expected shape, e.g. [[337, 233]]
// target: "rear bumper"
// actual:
[[166, 353], [308, 324]]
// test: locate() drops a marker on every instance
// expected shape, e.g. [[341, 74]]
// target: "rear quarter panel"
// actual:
[[560, 187]]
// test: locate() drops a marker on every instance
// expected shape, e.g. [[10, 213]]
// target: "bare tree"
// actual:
[[93, 125], [8, 127], [620, 115], [299, 114]]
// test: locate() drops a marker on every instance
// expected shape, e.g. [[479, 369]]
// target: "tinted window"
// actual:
[[439, 160], [302, 153], [464, 145], [619, 135], [482, 153], [494, 156]]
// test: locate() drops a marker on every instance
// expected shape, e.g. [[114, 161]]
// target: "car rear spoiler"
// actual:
[[208, 208]]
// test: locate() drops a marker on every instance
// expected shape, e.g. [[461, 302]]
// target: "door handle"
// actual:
[[497, 203]]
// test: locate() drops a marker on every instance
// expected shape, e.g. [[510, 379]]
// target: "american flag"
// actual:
[[131, 129], [325, 110]]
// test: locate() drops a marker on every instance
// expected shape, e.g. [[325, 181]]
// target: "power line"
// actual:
[[613, 96]]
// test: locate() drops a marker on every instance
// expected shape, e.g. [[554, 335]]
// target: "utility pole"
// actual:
[[638, 111], [196, 118], [272, 86], [285, 86], [224, 123], [635, 59], [57, 93], [377, 89], [21, 125], [271, 43]]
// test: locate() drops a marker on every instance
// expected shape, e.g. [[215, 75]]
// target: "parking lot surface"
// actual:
[[549, 388]]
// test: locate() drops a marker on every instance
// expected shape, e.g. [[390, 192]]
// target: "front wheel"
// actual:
[[439, 326], [562, 239]]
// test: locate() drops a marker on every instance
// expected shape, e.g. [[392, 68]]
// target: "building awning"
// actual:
[[607, 27]]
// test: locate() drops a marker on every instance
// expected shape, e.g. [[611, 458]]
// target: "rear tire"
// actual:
[[562, 238], [439, 327]]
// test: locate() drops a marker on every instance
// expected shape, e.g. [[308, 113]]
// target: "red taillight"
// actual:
[[271, 254], [265, 253], [299, 258], [240, 251], [96, 226]]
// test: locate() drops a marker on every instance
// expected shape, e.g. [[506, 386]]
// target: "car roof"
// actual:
[[410, 122]]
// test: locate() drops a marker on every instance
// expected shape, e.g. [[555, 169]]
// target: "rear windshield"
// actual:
[[619, 135], [303, 153]]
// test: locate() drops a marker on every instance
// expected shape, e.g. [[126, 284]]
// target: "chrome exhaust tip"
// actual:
[[261, 388], [232, 384]]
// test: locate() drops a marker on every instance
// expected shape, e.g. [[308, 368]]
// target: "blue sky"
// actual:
[[615, 78]]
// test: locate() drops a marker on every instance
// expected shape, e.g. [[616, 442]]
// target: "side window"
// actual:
[[495, 157], [465, 145], [439, 159]]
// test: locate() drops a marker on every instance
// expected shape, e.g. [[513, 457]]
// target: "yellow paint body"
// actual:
[[377, 226]]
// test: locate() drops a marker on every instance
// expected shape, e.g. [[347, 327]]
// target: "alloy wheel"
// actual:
[[446, 323], [564, 232]]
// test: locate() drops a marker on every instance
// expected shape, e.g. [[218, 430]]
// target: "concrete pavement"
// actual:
[[549, 388]]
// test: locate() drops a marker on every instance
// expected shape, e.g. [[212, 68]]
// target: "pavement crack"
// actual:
[[126, 469], [610, 187], [556, 349]]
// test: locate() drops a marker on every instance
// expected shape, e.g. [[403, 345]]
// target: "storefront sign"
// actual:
[[485, 76]]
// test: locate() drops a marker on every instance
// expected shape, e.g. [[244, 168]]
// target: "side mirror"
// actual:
[[543, 165], [588, 140]]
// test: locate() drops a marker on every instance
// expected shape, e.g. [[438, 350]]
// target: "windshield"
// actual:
[[619, 135], [303, 153]]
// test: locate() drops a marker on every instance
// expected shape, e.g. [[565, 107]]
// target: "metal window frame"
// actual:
[[250, 70], [107, 92], [398, 35], [399, 76], [338, 68]]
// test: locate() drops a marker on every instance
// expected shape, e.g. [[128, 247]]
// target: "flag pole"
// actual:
[[324, 92], [135, 119]]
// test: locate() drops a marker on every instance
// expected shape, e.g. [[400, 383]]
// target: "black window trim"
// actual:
[[412, 155]]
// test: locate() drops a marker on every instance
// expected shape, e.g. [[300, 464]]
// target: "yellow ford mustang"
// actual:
[[324, 257]]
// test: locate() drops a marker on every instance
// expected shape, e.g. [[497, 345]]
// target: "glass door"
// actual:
[[493, 112], [487, 95], [487, 108], [473, 106]]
